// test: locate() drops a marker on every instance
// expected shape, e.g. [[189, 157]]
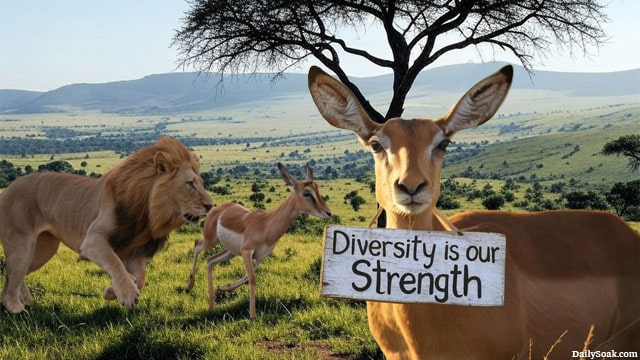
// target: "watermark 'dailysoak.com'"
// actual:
[[608, 354]]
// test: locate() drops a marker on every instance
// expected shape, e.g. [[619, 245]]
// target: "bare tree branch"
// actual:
[[231, 36]]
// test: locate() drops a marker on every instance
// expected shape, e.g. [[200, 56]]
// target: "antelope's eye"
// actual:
[[191, 185], [308, 195], [443, 145], [375, 146]]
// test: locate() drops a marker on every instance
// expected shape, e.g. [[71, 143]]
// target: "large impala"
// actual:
[[565, 270]]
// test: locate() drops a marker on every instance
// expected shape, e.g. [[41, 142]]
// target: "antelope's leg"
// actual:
[[222, 256]]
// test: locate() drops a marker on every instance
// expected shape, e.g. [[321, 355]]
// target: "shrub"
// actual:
[[220, 190], [355, 200], [582, 200], [493, 202], [447, 202]]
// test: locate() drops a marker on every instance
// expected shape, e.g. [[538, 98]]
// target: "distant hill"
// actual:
[[461, 77], [156, 94], [13, 99], [187, 92]]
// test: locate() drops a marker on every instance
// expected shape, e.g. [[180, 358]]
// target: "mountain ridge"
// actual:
[[188, 92]]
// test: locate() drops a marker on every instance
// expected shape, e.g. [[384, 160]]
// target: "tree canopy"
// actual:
[[276, 35], [625, 199], [627, 145]]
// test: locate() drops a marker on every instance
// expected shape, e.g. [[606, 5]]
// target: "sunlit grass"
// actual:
[[71, 320]]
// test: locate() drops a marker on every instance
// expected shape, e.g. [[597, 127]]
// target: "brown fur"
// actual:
[[565, 270], [118, 221], [254, 234]]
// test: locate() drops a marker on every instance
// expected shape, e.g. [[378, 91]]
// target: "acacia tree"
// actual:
[[275, 35], [625, 197], [626, 145]]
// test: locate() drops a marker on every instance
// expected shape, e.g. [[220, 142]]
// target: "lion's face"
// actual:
[[189, 195], [179, 196]]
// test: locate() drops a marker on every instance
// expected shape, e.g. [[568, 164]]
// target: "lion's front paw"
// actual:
[[25, 294], [13, 306], [126, 291], [109, 294], [11, 299]]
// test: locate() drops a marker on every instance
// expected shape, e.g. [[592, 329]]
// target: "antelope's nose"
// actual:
[[208, 207], [411, 189]]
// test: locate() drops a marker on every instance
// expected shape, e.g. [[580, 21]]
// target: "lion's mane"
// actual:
[[138, 195]]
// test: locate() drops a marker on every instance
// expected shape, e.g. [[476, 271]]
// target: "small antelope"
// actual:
[[565, 270], [254, 234]]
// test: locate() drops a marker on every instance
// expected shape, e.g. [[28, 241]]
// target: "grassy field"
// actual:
[[71, 320], [520, 141], [536, 133]]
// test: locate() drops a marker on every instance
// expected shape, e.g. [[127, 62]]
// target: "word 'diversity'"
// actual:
[[413, 266]]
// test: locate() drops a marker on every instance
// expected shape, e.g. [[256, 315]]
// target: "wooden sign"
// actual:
[[413, 266]]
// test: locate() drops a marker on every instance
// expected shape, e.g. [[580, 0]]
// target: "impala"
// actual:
[[254, 234], [565, 270]]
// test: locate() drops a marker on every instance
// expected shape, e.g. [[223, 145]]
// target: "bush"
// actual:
[[508, 196], [8, 173], [581, 200], [355, 200], [447, 202], [625, 199], [305, 224], [493, 202], [220, 190]]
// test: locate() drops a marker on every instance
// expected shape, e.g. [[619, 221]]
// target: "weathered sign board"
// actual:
[[413, 266]]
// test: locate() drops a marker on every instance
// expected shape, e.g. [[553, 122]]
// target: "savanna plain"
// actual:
[[541, 145]]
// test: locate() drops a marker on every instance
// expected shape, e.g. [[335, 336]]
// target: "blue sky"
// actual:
[[48, 44]]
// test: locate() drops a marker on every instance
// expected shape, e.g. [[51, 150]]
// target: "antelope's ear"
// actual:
[[309, 173], [479, 104], [286, 175], [338, 105]]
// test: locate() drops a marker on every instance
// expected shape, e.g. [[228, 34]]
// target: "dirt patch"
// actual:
[[319, 348]]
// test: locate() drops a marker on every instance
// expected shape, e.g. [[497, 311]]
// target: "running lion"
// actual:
[[118, 221]]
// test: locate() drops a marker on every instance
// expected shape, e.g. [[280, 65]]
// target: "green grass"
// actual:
[[545, 146], [553, 157], [69, 318], [539, 146]]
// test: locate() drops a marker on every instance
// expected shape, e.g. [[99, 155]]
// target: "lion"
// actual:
[[117, 221]]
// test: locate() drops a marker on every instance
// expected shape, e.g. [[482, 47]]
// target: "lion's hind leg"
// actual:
[[23, 258], [19, 249], [14, 291], [46, 246]]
